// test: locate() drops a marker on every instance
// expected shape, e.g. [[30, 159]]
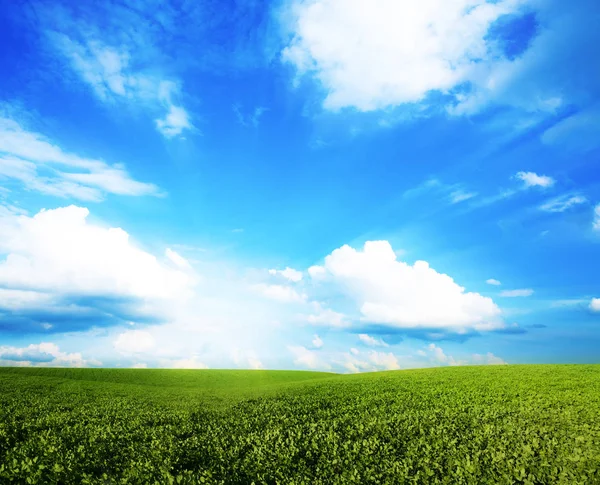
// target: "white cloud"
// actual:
[[371, 362], [11, 299], [460, 196], [281, 293], [110, 72], [45, 354], [531, 179], [246, 359], [596, 221], [562, 203], [453, 193], [386, 53], [191, 363], [493, 282], [595, 305], [307, 358], [326, 316], [140, 365], [487, 359], [394, 293], [516, 293], [371, 341], [59, 252], [387, 361], [289, 274], [176, 119], [177, 259], [437, 355], [134, 341], [316, 272], [42, 166], [317, 342]]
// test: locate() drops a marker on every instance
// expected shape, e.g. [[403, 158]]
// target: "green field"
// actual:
[[476, 425]]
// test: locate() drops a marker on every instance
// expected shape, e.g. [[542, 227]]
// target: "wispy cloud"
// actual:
[[596, 221], [532, 179], [42, 166], [493, 282], [453, 193], [115, 74], [251, 119], [517, 293], [563, 203], [372, 341]]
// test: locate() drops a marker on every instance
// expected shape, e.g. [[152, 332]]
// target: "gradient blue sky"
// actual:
[[341, 185]]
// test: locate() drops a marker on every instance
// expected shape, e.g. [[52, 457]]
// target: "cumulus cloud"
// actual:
[[60, 251], [316, 272], [389, 53], [493, 282], [516, 293], [394, 293], [42, 166], [532, 179], [288, 273], [134, 341], [45, 354], [595, 305], [371, 341], [563, 203], [59, 262]]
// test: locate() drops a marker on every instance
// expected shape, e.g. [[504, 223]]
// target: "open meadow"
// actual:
[[506, 424]]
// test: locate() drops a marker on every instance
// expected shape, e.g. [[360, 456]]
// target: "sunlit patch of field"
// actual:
[[505, 424]]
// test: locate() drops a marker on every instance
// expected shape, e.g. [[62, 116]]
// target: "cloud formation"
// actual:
[[116, 70], [59, 262], [42, 166], [532, 179], [516, 293], [393, 293], [563, 203], [389, 53], [45, 354]]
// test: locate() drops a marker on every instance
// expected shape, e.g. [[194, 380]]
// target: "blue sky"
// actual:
[[328, 184]]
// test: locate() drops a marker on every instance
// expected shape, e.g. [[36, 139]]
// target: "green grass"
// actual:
[[475, 425]]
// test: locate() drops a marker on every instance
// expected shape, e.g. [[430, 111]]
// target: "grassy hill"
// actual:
[[506, 424]]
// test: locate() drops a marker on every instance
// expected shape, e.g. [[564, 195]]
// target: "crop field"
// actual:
[[464, 425]]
